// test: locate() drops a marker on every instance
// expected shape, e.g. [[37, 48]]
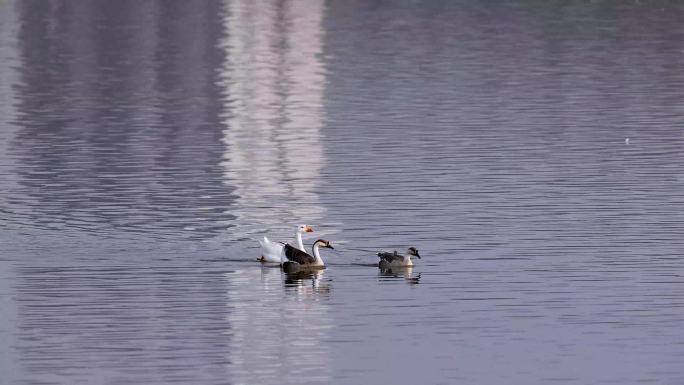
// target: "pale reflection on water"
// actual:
[[278, 338], [274, 85], [144, 147]]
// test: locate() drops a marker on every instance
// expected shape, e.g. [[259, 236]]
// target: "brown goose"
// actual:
[[296, 258]]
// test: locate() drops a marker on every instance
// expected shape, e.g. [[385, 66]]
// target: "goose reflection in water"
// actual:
[[308, 283], [406, 273]]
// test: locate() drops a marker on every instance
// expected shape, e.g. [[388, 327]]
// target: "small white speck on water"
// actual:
[[626, 140]]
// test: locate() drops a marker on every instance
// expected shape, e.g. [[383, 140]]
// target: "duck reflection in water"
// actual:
[[308, 283], [405, 272]]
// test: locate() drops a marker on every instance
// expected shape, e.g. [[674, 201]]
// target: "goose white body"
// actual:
[[271, 251]]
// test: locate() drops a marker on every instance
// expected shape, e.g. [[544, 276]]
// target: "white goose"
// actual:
[[297, 259], [273, 251], [396, 260]]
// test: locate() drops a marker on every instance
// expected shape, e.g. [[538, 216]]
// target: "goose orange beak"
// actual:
[[308, 229]]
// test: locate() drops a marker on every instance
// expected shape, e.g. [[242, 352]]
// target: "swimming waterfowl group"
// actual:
[[293, 258]]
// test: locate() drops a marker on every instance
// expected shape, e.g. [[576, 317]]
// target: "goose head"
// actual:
[[304, 229], [413, 252], [323, 243]]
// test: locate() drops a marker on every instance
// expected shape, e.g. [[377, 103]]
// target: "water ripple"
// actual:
[[531, 151]]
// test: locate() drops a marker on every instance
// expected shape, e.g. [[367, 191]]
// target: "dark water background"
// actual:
[[144, 146]]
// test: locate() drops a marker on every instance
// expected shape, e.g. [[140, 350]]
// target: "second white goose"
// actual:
[[274, 251]]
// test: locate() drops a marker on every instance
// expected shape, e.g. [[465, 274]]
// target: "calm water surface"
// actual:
[[145, 146]]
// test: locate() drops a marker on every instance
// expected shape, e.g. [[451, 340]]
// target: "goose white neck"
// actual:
[[298, 237], [317, 255]]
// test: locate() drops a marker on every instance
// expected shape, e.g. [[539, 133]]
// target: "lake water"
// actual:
[[532, 151]]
